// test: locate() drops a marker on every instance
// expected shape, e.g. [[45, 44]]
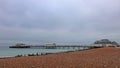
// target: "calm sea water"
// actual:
[[5, 51]]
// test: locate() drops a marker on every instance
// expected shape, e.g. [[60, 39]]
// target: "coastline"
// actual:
[[40, 54], [94, 58]]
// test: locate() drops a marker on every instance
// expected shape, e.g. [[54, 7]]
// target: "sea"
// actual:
[[5, 51]]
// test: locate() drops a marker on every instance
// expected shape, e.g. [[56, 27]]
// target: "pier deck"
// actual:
[[64, 46], [57, 47]]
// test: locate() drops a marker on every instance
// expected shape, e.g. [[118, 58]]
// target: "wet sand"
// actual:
[[95, 58]]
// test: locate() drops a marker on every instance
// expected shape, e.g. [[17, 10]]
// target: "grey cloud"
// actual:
[[59, 19]]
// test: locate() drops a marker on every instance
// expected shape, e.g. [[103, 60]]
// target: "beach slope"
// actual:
[[108, 57]]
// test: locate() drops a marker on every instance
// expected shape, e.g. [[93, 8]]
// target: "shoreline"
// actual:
[[107, 57], [42, 54]]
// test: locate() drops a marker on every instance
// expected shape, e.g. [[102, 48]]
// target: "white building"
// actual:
[[53, 44], [105, 43]]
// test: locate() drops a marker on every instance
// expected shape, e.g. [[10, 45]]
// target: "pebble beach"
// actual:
[[108, 57]]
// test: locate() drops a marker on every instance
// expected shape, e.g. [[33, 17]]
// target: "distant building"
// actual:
[[20, 44], [51, 46], [106, 43]]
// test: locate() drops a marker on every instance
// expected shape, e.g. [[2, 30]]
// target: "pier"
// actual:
[[57, 47], [65, 47], [54, 46]]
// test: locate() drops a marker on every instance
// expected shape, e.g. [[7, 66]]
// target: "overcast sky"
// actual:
[[60, 21]]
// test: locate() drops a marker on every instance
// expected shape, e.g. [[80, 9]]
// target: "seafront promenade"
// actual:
[[108, 57]]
